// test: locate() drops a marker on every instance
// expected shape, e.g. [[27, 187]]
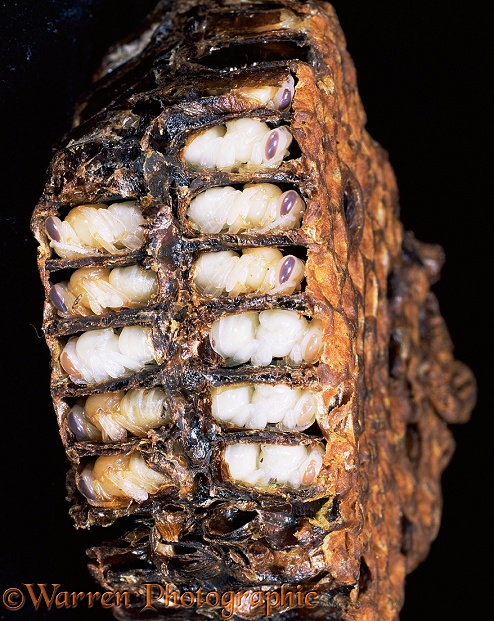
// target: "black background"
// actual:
[[423, 70]]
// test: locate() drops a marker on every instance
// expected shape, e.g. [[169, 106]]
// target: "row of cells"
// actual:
[[251, 337], [94, 229], [95, 290], [111, 480], [119, 227], [112, 416], [258, 338]]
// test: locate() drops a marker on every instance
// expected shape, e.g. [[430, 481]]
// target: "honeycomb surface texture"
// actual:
[[375, 363]]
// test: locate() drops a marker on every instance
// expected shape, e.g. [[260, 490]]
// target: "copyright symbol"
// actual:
[[13, 598]]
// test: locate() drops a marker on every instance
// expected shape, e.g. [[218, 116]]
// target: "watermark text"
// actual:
[[155, 596]]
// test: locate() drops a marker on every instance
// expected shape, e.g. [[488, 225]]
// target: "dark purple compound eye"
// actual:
[[286, 269], [57, 299], [286, 99], [272, 145], [288, 202], [76, 426], [52, 229], [86, 489]]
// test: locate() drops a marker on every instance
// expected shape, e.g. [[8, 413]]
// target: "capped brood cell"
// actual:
[[261, 270], [97, 290], [106, 354], [113, 416], [250, 208], [238, 142], [266, 406], [262, 337], [91, 229], [268, 96], [112, 480], [269, 466]]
